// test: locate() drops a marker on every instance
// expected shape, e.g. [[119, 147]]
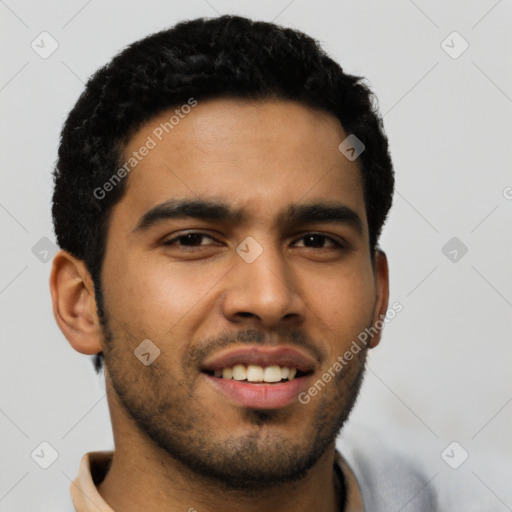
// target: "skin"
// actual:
[[193, 300]]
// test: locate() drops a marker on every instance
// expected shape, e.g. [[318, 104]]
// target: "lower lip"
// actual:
[[259, 396]]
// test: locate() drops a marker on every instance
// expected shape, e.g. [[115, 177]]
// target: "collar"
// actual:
[[92, 470], [353, 495], [94, 466]]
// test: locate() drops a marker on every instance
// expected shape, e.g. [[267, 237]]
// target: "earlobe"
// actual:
[[381, 272], [74, 305]]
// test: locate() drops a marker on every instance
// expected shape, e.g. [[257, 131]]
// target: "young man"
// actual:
[[219, 194]]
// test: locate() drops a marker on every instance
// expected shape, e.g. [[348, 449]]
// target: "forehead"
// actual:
[[257, 155]]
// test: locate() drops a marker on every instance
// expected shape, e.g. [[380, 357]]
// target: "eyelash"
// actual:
[[337, 245]]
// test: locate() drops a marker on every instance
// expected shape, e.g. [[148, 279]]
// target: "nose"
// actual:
[[265, 291]]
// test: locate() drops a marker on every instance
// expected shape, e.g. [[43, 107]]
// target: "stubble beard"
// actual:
[[168, 415]]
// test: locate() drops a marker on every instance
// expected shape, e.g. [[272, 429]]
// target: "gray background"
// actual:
[[442, 371]]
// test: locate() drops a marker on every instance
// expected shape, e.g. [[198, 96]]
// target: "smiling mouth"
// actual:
[[256, 374], [259, 377]]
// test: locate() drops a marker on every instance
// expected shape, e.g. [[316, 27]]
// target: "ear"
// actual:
[[74, 304], [381, 274]]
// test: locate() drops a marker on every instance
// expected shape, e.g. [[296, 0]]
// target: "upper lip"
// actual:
[[261, 356]]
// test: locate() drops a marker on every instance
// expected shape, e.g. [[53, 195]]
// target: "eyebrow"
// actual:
[[184, 208], [208, 210]]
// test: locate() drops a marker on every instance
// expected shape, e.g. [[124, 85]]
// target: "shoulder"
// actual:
[[387, 479]]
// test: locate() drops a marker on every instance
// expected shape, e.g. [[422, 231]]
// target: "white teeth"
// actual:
[[239, 372], [256, 373], [227, 373], [272, 374]]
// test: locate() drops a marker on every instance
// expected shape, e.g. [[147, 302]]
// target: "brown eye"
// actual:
[[188, 240], [318, 241]]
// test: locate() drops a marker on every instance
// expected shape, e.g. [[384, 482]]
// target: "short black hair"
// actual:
[[222, 57]]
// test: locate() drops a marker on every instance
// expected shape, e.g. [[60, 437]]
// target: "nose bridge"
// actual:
[[261, 283]]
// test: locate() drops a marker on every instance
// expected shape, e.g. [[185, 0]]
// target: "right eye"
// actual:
[[187, 240]]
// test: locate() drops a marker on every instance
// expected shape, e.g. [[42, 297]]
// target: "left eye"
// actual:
[[316, 241]]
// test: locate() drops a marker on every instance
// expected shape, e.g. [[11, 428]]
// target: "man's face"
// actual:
[[295, 294]]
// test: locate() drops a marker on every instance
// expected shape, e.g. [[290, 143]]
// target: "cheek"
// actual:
[[344, 303], [154, 297]]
